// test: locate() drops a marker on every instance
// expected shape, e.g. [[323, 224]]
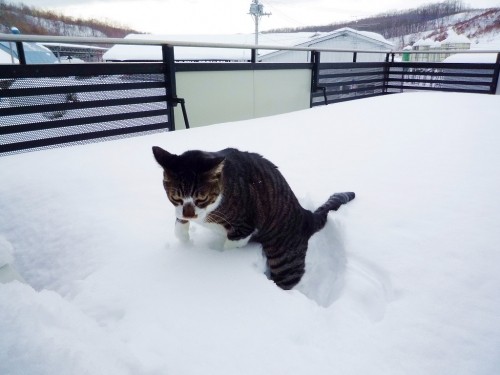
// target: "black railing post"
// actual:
[[20, 53], [387, 66], [253, 59], [496, 77], [170, 84], [315, 59], [354, 57]]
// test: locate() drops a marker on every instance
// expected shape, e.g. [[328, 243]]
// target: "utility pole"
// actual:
[[257, 11]]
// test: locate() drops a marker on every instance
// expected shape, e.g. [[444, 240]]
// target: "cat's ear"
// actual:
[[163, 157], [217, 164]]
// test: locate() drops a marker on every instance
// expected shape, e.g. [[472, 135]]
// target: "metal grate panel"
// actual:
[[44, 106], [347, 81], [472, 78]]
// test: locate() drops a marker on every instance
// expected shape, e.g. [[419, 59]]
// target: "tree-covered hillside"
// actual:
[[31, 20]]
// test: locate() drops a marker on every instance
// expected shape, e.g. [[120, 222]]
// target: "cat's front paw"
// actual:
[[182, 230], [234, 244]]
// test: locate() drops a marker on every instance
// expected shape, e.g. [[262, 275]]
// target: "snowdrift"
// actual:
[[403, 280]]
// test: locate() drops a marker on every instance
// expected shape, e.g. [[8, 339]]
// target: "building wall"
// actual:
[[222, 96], [348, 42]]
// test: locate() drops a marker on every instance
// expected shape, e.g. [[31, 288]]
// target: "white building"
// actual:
[[342, 39]]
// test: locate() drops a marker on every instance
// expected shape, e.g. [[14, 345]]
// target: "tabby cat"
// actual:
[[247, 198]]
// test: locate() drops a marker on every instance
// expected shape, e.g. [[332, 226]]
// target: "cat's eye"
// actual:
[[202, 198], [175, 196]]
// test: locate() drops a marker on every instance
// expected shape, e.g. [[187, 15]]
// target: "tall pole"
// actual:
[[257, 11], [256, 19]]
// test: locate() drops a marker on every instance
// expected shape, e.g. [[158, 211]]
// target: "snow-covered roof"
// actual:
[[435, 44], [423, 42], [454, 38], [132, 52], [69, 45], [374, 37]]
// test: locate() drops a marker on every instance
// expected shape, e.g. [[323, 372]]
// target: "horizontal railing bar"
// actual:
[[442, 82], [441, 74], [210, 67], [25, 128], [87, 69], [180, 43], [447, 89], [351, 82], [175, 43], [432, 65], [38, 91], [350, 91], [12, 147], [333, 76], [351, 65], [80, 105]]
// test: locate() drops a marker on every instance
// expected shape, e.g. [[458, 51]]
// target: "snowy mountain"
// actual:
[[482, 27]]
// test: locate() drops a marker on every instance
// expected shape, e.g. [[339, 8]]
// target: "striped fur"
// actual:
[[256, 203]]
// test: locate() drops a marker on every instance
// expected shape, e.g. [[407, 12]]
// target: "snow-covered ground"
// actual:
[[403, 280]]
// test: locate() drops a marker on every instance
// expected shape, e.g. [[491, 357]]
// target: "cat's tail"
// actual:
[[332, 204]]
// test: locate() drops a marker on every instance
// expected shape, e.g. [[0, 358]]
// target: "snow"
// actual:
[[454, 38], [402, 280], [125, 52], [472, 58]]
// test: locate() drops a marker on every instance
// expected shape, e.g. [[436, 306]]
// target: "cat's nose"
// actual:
[[188, 211]]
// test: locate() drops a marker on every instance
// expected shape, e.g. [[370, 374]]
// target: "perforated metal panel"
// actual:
[[52, 105]]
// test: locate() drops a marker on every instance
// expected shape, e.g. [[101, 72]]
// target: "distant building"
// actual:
[[76, 52], [454, 41], [343, 39]]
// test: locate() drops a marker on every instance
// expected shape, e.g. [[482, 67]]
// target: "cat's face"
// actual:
[[192, 181]]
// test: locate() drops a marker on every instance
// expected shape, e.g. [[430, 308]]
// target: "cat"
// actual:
[[245, 197]]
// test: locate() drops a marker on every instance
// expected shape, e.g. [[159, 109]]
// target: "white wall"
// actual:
[[343, 42], [222, 96]]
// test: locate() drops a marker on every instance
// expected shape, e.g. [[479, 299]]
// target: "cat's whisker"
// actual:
[[212, 215]]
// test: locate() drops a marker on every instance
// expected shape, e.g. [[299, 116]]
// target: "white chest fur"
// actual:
[[182, 232]]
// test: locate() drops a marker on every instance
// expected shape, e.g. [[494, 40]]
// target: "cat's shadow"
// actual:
[[326, 262]]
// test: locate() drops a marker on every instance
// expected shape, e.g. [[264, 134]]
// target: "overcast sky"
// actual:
[[226, 16]]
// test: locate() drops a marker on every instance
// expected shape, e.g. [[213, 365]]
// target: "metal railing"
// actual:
[[337, 82], [46, 105]]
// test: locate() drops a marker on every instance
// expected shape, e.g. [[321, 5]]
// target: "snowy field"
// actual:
[[403, 280]]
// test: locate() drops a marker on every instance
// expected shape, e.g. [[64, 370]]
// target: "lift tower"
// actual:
[[257, 11]]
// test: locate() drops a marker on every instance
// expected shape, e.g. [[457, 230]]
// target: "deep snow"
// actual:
[[403, 280]]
